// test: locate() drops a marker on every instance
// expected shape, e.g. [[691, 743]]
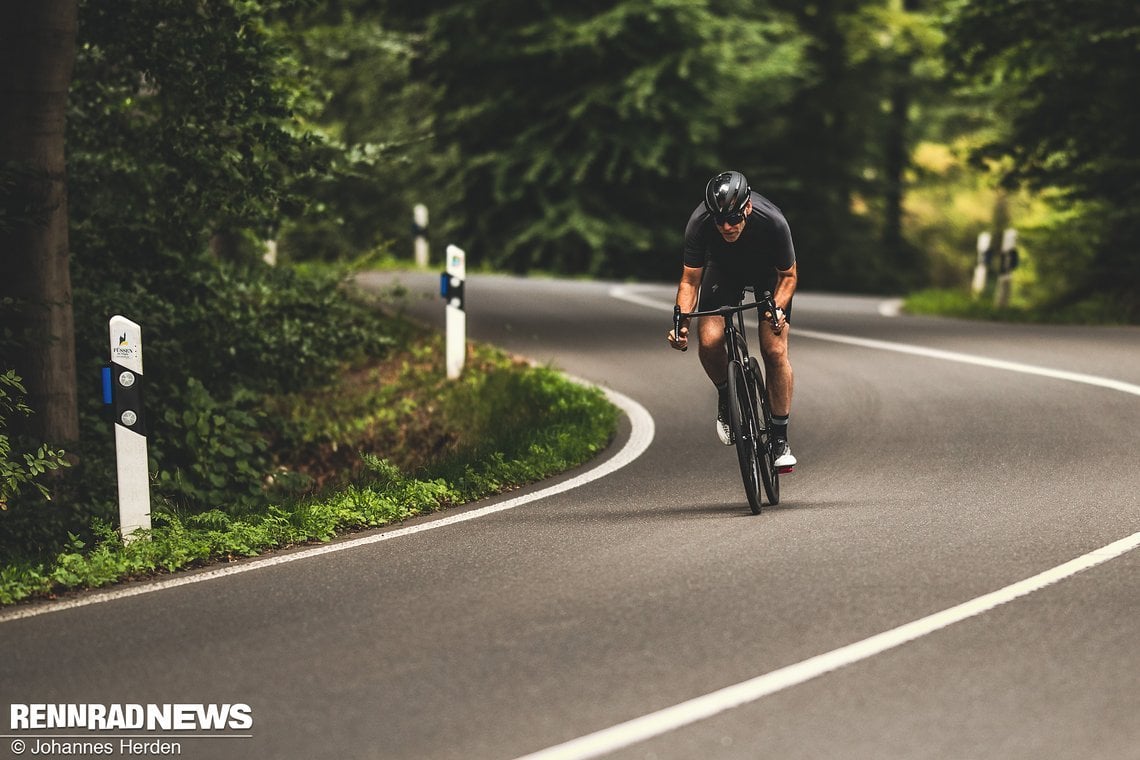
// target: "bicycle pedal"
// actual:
[[786, 470]]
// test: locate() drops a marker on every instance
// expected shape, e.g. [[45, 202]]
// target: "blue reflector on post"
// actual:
[[107, 398]]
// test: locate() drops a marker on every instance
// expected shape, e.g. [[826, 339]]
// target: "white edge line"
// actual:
[[624, 294], [641, 436], [981, 361], [654, 724]]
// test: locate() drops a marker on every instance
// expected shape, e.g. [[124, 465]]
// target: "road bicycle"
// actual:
[[749, 411]]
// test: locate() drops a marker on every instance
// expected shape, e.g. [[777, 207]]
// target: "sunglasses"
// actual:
[[730, 219]]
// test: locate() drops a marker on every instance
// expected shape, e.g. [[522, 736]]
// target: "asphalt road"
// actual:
[[875, 613]]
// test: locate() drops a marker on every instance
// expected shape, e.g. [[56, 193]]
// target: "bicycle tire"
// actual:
[[769, 474], [742, 419]]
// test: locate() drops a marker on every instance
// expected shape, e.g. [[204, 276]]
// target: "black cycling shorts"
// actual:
[[722, 286]]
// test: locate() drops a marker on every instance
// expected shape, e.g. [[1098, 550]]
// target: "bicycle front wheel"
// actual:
[[768, 472], [742, 418]]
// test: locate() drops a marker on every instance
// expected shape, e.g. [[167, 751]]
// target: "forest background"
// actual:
[[153, 151]]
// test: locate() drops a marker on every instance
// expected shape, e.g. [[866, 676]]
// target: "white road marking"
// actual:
[[891, 308], [981, 361], [641, 436], [622, 293], [671, 718]]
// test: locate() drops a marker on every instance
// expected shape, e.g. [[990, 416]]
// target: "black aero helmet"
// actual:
[[726, 194]]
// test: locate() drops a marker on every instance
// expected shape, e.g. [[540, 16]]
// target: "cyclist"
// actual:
[[735, 238]]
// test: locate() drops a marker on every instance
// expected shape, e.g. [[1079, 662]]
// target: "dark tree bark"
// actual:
[[37, 53], [896, 159]]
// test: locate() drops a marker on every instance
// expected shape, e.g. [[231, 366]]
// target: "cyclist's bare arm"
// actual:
[[687, 291]]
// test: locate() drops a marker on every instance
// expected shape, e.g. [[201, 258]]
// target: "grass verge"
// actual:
[[1098, 310], [384, 444]]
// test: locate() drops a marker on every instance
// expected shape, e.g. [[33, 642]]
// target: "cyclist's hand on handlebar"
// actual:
[[680, 343], [779, 322]]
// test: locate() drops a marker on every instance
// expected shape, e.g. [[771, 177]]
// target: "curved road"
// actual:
[[951, 573]]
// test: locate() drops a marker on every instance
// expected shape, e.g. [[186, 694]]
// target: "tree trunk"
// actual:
[[37, 53], [226, 245], [896, 154], [896, 159]]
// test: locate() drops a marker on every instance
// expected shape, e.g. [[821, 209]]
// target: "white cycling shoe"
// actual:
[[724, 432], [785, 460]]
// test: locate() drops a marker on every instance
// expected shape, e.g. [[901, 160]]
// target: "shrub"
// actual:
[[23, 467]]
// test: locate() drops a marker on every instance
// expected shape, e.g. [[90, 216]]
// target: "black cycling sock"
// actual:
[[722, 402], [780, 426]]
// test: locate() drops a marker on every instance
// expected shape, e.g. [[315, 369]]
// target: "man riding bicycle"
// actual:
[[733, 239]]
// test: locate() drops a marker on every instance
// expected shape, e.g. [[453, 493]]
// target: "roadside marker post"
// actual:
[[451, 288], [123, 386], [979, 283], [1006, 264], [419, 231]]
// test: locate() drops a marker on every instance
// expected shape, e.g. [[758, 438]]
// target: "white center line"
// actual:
[[671, 718]]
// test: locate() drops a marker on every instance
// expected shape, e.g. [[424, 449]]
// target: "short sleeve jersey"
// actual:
[[765, 243]]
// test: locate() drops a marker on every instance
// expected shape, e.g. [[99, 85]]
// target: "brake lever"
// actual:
[[770, 305], [677, 324]]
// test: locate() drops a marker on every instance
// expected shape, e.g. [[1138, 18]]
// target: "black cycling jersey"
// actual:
[[766, 240], [764, 246]]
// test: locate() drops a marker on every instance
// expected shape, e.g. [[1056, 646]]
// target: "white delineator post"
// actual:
[[130, 426], [453, 290], [979, 284], [419, 227], [1006, 265]]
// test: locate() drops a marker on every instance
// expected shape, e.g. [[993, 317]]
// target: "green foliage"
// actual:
[[185, 122], [20, 468], [494, 415], [572, 134], [836, 156], [212, 452], [30, 515], [219, 341], [581, 133], [565, 424], [1059, 71], [378, 116], [1097, 310]]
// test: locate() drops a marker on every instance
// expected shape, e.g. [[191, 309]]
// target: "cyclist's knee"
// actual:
[[775, 353], [712, 351], [711, 341]]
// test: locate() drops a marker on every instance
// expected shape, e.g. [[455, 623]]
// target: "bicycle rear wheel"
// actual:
[[768, 472], [742, 418]]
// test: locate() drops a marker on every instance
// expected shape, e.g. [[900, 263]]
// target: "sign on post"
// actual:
[[130, 425], [452, 289]]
